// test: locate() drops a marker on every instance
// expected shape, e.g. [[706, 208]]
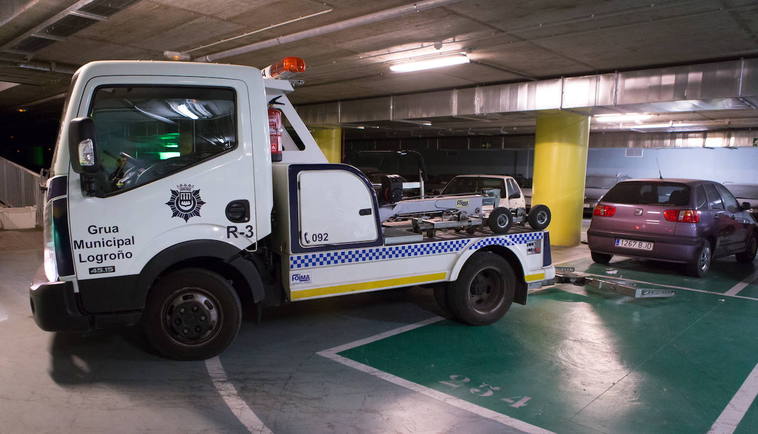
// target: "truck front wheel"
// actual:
[[484, 290], [192, 314]]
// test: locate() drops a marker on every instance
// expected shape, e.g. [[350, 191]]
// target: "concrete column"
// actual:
[[560, 167], [330, 142]]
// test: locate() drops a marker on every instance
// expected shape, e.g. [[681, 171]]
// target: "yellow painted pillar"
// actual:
[[560, 166], [330, 142]]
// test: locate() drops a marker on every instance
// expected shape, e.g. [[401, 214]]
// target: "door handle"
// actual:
[[364, 211], [238, 211]]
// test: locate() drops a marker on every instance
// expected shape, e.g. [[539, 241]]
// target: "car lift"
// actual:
[[618, 286]]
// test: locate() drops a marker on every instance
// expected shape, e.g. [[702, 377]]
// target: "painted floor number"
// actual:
[[485, 390]]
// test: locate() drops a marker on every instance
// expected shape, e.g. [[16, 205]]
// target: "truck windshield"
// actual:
[[148, 132]]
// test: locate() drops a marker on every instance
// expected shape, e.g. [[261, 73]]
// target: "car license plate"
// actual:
[[633, 244]]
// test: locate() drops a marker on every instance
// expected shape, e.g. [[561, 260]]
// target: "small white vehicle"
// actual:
[[509, 197], [176, 197]]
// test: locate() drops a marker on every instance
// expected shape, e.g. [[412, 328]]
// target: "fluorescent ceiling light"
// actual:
[[437, 62], [185, 111], [622, 117]]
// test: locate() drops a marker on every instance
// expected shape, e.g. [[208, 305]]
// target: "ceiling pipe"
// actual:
[[362, 20], [48, 67]]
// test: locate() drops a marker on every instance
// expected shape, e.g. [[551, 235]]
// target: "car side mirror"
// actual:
[[514, 195], [746, 206], [81, 145]]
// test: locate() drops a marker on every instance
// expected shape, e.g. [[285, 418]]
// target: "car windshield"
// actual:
[[649, 193], [463, 185]]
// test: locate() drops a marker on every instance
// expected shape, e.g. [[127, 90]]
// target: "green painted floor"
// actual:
[[573, 361], [750, 291]]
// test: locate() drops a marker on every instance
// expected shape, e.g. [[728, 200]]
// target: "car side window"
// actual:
[[729, 201], [513, 187], [701, 201], [714, 200]]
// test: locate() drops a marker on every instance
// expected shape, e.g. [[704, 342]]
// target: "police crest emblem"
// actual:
[[185, 202]]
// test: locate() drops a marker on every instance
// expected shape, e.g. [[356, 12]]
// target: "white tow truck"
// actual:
[[181, 192]]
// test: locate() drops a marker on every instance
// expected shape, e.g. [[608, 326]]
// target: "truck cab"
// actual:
[[181, 192]]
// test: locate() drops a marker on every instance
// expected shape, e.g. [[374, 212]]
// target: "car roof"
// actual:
[[661, 180]]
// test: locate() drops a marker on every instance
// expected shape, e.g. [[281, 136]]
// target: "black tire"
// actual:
[[500, 220], [748, 255], [484, 290], [539, 217], [192, 314], [702, 263], [601, 258]]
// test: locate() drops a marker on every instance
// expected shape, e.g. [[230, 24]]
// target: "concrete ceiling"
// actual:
[[507, 40]]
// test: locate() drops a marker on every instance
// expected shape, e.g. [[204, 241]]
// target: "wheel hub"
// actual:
[[485, 291], [191, 317], [705, 258]]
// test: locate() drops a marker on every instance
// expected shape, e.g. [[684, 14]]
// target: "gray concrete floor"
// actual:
[[110, 381]]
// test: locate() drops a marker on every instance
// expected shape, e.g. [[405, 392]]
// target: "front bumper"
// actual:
[[54, 307], [667, 248]]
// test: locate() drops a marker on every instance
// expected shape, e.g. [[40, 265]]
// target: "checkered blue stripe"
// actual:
[[507, 240], [372, 254]]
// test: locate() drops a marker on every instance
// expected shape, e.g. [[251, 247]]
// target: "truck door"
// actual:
[[171, 157]]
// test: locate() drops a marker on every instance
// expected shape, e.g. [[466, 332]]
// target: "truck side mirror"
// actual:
[[81, 145]]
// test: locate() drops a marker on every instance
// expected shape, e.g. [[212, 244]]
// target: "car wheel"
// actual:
[[702, 263], [748, 255], [539, 217], [192, 314], [601, 258], [500, 220], [484, 290]]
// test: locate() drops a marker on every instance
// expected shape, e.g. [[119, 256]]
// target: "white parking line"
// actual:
[[331, 353], [734, 290], [741, 401], [674, 287], [231, 397]]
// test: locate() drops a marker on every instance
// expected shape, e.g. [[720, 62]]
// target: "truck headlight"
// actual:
[[51, 267]]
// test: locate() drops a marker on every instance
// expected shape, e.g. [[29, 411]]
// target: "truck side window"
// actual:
[[146, 133]]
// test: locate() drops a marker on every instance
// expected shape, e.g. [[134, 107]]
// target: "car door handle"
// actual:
[[364, 211]]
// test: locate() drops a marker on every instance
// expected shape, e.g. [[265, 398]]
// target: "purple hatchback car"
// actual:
[[675, 220]]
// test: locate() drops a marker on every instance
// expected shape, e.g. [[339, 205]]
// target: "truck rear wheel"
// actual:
[[192, 314], [484, 290]]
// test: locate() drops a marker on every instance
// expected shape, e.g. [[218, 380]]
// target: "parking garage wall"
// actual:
[[611, 155]]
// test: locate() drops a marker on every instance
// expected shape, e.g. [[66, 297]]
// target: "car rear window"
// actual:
[[649, 193]]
